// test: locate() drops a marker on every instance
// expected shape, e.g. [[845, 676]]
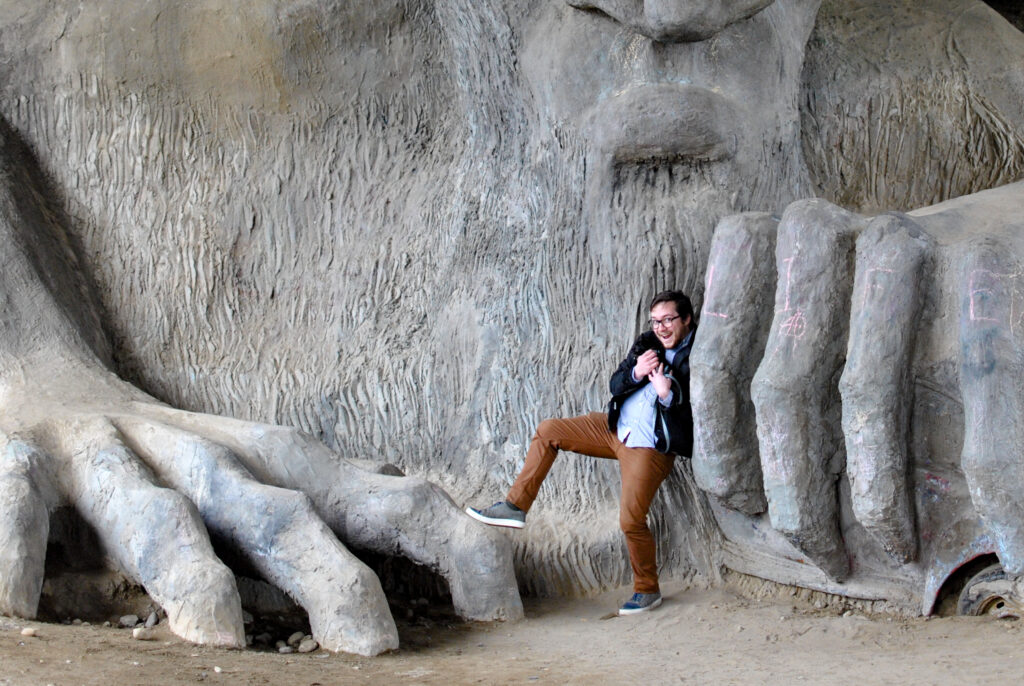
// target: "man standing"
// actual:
[[647, 424]]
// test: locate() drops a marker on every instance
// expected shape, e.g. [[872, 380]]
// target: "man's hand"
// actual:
[[662, 384], [645, 364]]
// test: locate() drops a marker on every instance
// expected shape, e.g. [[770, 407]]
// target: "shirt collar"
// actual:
[[685, 342]]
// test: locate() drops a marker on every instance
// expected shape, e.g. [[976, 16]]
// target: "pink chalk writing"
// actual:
[[874, 286], [994, 297], [795, 326], [709, 310], [789, 274]]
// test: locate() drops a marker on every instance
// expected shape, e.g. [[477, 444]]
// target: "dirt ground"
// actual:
[[698, 636]]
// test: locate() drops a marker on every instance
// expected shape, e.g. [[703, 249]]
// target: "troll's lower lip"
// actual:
[[664, 121]]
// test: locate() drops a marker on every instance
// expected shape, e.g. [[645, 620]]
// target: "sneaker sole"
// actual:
[[508, 523], [623, 612]]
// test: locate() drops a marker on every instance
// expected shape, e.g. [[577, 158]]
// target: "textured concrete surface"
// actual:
[[411, 230], [990, 368], [886, 396], [733, 331], [392, 226], [793, 390], [875, 385]]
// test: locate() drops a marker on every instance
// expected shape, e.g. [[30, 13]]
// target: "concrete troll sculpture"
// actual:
[[156, 483], [853, 415], [152, 480], [390, 226], [887, 337]]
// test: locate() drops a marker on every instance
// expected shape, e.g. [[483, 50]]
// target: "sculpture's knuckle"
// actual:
[[167, 506], [295, 503]]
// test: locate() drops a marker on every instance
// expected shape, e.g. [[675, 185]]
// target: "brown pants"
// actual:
[[643, 470]]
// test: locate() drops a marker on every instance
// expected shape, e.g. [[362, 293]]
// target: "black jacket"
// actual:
[[673, 425]]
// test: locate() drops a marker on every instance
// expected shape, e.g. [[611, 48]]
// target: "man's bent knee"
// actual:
[[546, 429], [630, 524]]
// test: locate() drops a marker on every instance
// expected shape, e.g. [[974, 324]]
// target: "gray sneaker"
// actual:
[[502, 513], [640, 602]]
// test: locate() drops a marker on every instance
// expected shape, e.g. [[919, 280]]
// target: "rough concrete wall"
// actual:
[[369, 234], [369, 223], [1010, 10], [907, 104]]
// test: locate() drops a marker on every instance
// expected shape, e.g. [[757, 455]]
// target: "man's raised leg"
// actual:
[[586, 434]]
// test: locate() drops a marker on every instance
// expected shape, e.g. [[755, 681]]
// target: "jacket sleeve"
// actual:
[[622, 378], [681, 378], [678, 414]]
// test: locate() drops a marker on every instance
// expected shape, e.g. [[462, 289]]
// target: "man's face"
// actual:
[[668, 326]]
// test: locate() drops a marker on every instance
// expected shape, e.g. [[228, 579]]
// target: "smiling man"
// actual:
[[647, 424]]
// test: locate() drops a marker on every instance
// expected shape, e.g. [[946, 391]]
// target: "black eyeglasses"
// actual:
[[665, 321]]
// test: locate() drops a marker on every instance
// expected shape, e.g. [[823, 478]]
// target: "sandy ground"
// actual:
[[697, 637]]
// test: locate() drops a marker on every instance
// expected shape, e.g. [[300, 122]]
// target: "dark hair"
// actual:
[[684, 308]]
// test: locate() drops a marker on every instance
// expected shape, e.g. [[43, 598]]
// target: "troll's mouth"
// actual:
[[660, 121]]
